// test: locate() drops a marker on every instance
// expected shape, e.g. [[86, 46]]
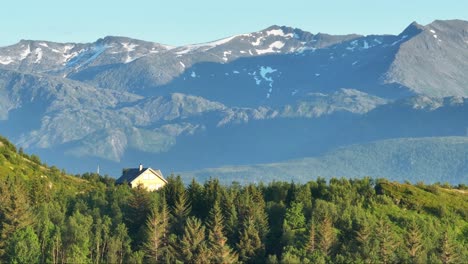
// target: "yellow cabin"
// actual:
[[147, 177]]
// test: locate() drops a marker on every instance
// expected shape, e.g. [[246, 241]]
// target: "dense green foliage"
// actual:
[[63, 219]]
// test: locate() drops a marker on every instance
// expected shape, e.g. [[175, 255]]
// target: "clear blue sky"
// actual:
[[179, 22]]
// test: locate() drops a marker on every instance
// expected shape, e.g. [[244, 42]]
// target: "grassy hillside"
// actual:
[[432, 159], [432, 199], [30, 170]]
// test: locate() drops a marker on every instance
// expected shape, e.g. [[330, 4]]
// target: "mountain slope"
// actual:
[[268, 96], [434, 61]]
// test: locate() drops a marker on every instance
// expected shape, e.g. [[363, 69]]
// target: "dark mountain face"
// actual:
[[277, 94]]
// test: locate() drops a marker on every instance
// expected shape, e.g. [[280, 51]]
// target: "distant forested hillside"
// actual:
[[47, 216], [429, 159]]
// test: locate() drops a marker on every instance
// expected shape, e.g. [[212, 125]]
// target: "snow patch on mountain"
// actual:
[[129, 46], [129, 59], [275, 32], [25, 53], [184, 51], [39, 54], [274, 47], [228, 52], [67, 56], [6, 60], [86, 56], [205, 46], [217, 42], [257, 80], [365, 45], [378, 41], [258, 41], [399, 40], [304, 49], [266, 72], [67, 48]]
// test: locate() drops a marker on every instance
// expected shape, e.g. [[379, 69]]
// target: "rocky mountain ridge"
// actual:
[[120, 100]]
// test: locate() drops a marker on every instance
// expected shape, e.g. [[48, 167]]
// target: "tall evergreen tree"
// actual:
[[250, 247], [448, 253], [231, 221], [414, 241], [195, 194], [173, 189], [366, 244], [294, 226], [139, 206], [387, 242], [157, 227], [192, 248], [212, 194], [327, 236], [180, 213], [311, 243], [220, 251]]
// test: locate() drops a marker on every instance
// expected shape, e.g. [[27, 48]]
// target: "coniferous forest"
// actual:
[[47, 216]]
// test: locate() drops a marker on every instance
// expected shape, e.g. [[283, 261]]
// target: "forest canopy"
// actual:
[[49, 216]]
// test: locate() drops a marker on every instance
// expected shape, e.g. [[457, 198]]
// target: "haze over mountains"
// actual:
[[266, 97]]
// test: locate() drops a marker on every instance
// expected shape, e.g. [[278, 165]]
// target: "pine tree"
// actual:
[[139, 208], [294, 216], [231, 222], [387, 243], [212, 193], [448, 252], [294, 226], [157, 232], [414, 242], [310, 246], [192, 247], [195, 195], [180, 212], [365, 241], [221, 252], [327, 235], [173, 189], [250, 247]]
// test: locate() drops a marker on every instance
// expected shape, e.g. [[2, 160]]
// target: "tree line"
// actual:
[[340, 221]]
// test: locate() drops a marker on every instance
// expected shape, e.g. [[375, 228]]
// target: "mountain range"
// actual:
[[278, 95]]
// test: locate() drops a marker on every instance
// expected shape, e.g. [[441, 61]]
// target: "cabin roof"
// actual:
[[130, 174]]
